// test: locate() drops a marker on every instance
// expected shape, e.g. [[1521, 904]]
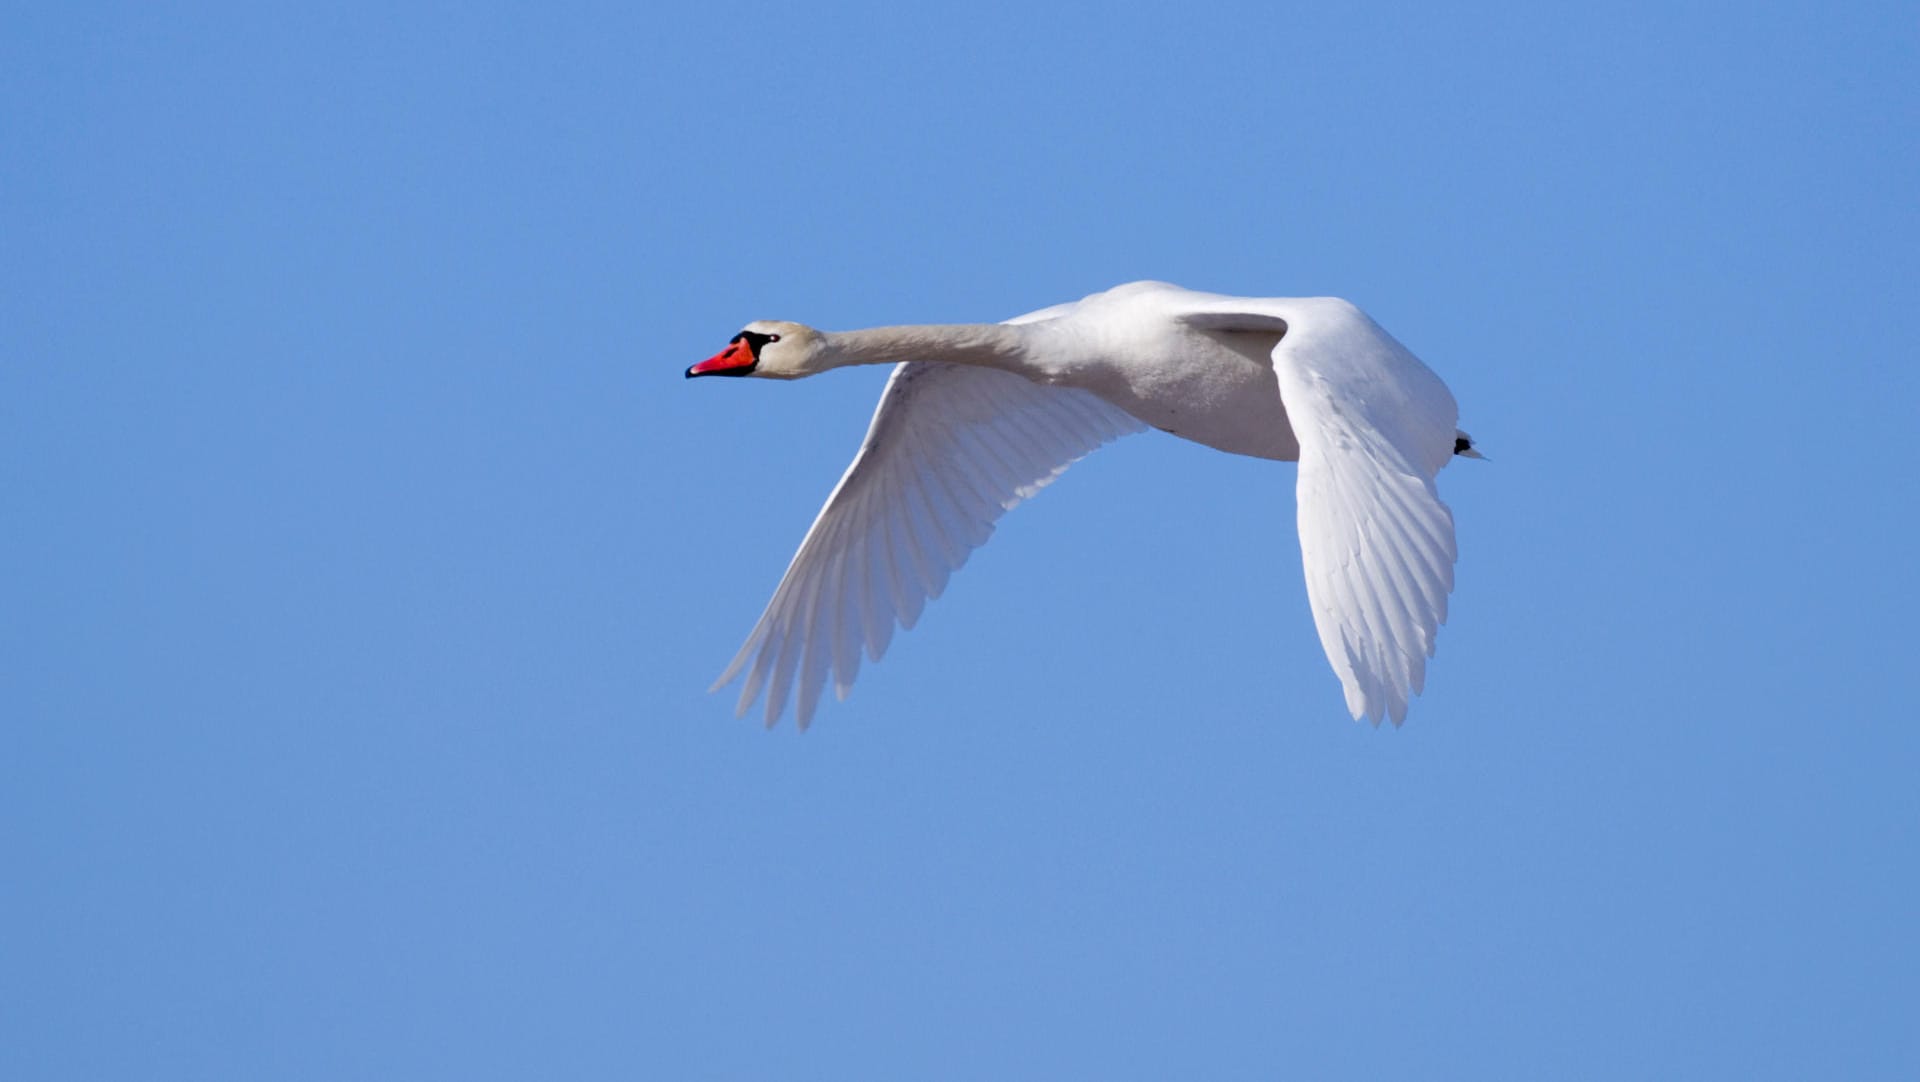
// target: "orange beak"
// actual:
[[735, 360]]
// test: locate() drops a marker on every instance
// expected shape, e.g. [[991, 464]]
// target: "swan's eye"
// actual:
[[773, 338]]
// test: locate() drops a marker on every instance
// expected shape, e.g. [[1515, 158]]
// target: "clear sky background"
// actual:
[[367, 557]]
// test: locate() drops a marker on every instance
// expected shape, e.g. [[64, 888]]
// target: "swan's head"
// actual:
[[772, 348]]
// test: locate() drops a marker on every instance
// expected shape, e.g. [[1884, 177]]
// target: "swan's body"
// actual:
[[978, 417]]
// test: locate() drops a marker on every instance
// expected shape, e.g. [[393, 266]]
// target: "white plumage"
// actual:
[[978, 417]]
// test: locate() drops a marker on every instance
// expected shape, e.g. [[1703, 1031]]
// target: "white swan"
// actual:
[[978, 417]]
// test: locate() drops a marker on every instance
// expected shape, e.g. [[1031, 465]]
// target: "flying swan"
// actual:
[[978, 417]]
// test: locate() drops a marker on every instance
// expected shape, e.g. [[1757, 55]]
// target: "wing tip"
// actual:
[[1387, 705]]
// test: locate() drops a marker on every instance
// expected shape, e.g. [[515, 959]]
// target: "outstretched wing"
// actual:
[[1375, 426], [951, 448]]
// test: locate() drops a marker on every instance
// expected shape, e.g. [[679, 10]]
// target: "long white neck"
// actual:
[[995, 345]]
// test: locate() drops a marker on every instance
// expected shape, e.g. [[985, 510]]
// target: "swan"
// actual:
[[978, 417]]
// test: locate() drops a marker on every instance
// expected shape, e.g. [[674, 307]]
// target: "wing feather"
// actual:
[[1376, 540], [1374, 427], [951, 449]]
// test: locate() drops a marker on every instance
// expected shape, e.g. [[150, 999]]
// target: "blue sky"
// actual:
[[369, 557]]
